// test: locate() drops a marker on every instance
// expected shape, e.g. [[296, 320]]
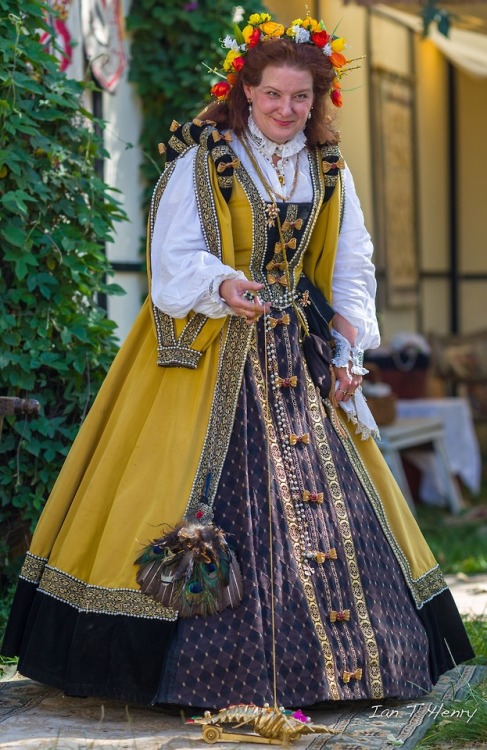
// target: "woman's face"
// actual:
[[281, 102]]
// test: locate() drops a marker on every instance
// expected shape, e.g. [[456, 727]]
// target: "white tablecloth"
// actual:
[[460, 442]]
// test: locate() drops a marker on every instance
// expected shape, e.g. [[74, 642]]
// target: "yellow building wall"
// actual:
[[472, 199], [433, 183], [472, 171]]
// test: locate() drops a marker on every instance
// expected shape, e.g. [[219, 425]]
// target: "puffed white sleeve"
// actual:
[[184, 274], [354, 283]]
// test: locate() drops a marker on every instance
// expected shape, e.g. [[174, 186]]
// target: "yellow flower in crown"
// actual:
[[228, 62], [338, 44], [270, 28], [247, 32], [256, 18], [310, 24], [336, 58]]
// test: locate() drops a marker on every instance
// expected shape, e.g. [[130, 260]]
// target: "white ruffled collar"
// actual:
[[270, 148]]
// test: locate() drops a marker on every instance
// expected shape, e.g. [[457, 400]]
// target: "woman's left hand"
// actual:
[[346, 383]]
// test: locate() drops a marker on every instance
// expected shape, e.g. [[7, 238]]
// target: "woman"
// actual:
[[284, 564]]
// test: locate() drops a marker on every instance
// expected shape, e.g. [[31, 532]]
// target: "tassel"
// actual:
[[191, 569]]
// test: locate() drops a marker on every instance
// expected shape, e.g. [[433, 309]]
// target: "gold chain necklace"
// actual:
[[273, 194]]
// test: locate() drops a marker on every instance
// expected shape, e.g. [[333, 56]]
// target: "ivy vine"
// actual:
[[172, 42], [55, 217]]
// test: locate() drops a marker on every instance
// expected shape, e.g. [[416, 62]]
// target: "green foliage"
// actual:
[[461, 730], [55, 216], [171, 44], [457, 542]]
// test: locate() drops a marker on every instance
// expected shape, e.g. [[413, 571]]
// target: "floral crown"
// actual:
[[260, 27]]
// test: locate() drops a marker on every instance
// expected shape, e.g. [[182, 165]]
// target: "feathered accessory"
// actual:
[[191, 569]]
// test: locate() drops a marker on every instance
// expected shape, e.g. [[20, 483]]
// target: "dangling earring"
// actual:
[[309, 114], [249, 102]]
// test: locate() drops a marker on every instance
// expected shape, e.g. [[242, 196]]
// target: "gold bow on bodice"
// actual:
[[288, 383], [282, 280], [296, 224], [342, 615], [283, 321], [312, 497], [356, 675], [293, 439]]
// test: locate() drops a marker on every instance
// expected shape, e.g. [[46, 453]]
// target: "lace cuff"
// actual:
[[345, 355]]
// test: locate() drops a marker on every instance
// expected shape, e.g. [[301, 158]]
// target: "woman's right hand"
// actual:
[[242, 296]]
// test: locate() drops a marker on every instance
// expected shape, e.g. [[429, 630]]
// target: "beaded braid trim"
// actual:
[[234, 345], [431, 583], [295, 532], [32, 568], [312, 540], [206, 203], [338, 500], [172, 351], [86, 597], [319, 197]]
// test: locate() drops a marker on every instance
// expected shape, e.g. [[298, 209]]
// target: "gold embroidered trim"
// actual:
[[172, 351], [295, 532], [363, 620], [206, 203], [328, 152], [427, 586], [87, 598], [233, 354], [177, 145], [33, 568], [176, 356]]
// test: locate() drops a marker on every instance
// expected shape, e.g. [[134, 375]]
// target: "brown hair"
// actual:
[[233, 112]]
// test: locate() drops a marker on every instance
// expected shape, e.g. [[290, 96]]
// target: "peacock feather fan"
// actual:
[[191, 569]]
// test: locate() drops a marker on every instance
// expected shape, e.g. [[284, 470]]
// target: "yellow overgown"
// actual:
[[133, 465]]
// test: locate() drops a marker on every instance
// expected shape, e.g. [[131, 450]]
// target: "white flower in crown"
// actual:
[[231, 43], [301, 36], [327, 50]]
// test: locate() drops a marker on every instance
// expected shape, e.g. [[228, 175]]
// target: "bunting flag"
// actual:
[[103, 39]]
